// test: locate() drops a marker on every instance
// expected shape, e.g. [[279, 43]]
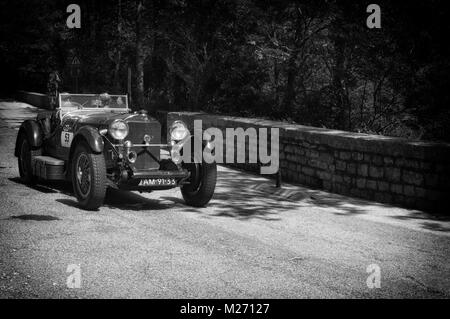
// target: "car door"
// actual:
[[58, 145]]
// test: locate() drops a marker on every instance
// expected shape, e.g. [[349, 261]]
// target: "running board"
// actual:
[[47, 167]]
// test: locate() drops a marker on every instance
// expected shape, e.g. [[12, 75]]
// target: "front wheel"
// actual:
[[88, 177], [202, 182]]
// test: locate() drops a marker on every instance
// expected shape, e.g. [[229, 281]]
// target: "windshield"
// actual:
[[92, 101]]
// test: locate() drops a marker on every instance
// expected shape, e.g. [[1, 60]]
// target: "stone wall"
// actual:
[[35, 99], [391, 170]]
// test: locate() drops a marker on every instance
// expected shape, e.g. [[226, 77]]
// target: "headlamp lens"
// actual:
[[178, 131], [118, 129]]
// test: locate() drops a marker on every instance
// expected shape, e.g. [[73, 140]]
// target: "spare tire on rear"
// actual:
[[26, 153]]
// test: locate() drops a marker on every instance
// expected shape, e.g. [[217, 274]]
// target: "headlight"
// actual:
[[118, 129], [178, 131]]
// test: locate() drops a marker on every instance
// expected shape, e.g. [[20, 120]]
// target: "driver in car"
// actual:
[[105, 99], [102, 101]]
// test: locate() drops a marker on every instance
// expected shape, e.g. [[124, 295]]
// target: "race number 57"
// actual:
[[66, 139]]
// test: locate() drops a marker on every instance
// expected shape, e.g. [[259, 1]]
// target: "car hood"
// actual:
[[96, 118]]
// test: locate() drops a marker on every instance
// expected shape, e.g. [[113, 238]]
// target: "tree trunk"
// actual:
[[289, 93], [140, 55], [116, 78], [341, 107], [292, 70]]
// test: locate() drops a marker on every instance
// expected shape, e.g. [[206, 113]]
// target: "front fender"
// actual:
[[92, 137], [33, 132]]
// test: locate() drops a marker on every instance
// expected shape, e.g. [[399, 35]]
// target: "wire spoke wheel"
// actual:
[[88, 176], [83, 174]]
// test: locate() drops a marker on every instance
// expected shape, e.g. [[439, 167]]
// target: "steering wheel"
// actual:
[[78, 105]]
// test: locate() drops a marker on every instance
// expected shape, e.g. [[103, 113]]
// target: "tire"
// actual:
[[201, 185], [88, 177], [26, 152]]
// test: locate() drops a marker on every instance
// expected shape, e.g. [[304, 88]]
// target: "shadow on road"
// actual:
[[118, 199], [35, 217], [126, 200], [47, 187], [348, 206], [238, 195], [114, 198]]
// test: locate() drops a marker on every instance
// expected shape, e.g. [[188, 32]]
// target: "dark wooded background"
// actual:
[[309, 62]]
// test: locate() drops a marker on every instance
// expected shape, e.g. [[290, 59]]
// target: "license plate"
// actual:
[[157, 182]]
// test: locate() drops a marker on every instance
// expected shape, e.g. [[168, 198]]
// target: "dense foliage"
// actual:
[[309, 62]]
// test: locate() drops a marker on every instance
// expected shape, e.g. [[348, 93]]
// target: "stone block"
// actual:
[[408, 190], [357, 156], [420, 192], [397, 188], [377, 159], [338, 178], [345, 155], [371, 184], [308, 171], [351, 168], [324, 175], [291, 157], [392, 174], [375, 172], [360, 183], [413, 178], [341, 165], [314, 154], [388, 160], [363, 170], [383, 186], [325, 157], [322, 165]]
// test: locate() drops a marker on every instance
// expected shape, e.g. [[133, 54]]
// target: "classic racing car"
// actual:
[[96, 141]]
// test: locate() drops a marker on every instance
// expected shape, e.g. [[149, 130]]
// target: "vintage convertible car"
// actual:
[[96, 141]]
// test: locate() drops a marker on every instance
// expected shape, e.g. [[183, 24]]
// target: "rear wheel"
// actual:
[[202, 183], [88, 177], [26, 153]]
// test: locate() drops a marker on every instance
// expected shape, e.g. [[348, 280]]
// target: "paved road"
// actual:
[[251, 241]]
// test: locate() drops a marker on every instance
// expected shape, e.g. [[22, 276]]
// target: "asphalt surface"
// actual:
[[252, 241]]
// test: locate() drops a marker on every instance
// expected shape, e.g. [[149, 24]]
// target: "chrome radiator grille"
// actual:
[[145, 155]]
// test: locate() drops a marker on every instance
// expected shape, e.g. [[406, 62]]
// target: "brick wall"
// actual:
[[385, 169]]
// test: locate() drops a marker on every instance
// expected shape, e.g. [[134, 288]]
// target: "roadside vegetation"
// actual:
[[308, 62]]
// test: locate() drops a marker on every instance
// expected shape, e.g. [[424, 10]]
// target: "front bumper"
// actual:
[[148, 180]]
